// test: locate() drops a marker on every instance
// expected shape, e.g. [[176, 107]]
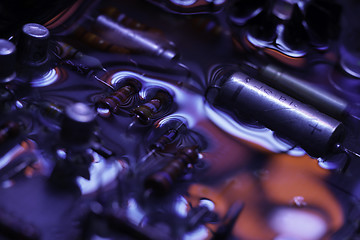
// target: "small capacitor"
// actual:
[[33, 48], [120, 98], [312, 130], [78, 124], [301, 90], [161, 181], [145, 112], [7, 61], [141, 41]]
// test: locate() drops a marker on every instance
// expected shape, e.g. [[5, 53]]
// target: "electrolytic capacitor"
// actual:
[[119, 99], [161, 181], [33, 48], [7, 61], [312, 130], [78, 124], [145, 112]]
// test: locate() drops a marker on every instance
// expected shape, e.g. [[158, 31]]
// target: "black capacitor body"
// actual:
[[312, 130]]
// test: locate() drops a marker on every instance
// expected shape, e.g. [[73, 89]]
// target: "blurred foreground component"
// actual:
[[7, 61]]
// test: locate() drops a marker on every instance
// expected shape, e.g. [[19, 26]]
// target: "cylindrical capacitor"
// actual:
[[33, 47], [312, 130], [299, 89], [78, 124], [143, 41], [7, 61]]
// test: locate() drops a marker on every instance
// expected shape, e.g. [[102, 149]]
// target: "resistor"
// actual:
[[118, 99], [145, 112], [66, 51], [97, 42], [161, 181], [312, 130], [170, 135]]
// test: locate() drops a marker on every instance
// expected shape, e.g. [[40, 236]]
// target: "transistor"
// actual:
[[318, 134], [33, 49]]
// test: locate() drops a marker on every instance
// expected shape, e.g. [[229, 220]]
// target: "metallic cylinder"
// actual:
[[312, 130], [143, 41], [33, 47], [7, 61], [321, 100], [78, 124]]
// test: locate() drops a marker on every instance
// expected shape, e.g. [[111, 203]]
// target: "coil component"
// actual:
[[161, 181], [145, 112], [312, 130], [7, 61]]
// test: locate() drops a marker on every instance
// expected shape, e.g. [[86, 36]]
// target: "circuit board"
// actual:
[[179, 119]]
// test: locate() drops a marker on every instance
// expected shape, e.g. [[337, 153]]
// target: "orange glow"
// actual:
[[63, 16]]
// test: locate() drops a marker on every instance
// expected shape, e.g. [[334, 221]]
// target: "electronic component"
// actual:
[[7, 61], [103, 123], [160, 101], [120, 98], [302, 91], [312, 130], [78, 124], [33, 49], [97, 42], [173, 127], [78, 58], [142, 41], [161, 181]]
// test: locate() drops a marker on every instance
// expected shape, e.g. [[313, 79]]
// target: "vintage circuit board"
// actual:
[[179, 119]]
